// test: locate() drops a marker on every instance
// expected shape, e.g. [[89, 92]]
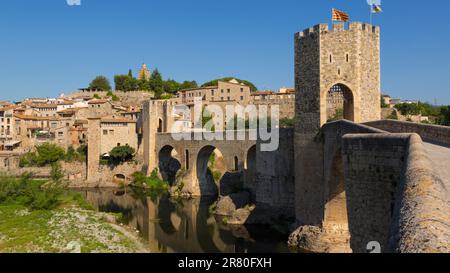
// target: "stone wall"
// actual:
[[430, 133], [422, 209], [274, 179], [392, 195], [373, 167]]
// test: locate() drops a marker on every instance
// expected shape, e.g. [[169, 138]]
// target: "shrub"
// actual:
[[152, 182], [121, 154], [29, 193], [56, 173]]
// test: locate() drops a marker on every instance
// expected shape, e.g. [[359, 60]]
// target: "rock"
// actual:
[[227, 205], [239, 217], [318, 240]]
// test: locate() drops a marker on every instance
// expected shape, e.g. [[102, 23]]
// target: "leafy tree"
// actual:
[[156, 83], [188, 85], [408, 109], [56, 173], [48, 153], [100, 83], [96, 96], [121, 154], [253, 88], [130, 73], [445, 115]]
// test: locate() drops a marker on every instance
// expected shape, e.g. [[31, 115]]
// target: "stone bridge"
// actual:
[[380, 182], [192, 157]]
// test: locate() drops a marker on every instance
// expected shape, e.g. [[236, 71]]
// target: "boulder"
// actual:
[[227, 205]]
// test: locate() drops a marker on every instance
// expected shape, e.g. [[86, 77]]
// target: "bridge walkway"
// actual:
[[440, 157]]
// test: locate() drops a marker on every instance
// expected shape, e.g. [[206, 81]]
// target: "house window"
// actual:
[[228, 98], [331, 58], [228, 91], [347, 58], [212, 92], [242, 97], [242, 90], [118, 144], [105, 132]]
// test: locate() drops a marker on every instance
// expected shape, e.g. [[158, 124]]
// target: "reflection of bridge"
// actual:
[[185, 227]]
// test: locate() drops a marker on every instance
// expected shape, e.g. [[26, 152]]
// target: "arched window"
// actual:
[[236, 163]]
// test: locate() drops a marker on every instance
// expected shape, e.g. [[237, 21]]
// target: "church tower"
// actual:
[[144, 73]]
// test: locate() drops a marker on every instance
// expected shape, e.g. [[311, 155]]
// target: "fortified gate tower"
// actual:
[[337, 75]]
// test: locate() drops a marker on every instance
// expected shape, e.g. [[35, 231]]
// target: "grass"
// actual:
[[39, 217]]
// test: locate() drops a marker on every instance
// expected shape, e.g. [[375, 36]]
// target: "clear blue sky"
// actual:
[[48, 47]]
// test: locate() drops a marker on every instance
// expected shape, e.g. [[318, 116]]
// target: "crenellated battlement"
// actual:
[[322, 29]]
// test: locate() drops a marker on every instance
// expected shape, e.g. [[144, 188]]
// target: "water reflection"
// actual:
[[175, 226]]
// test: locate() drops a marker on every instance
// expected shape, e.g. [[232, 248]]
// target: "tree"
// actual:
[[445, 115], [49, 153], [253, 88], [100, 83], [56, 173], [408, 109], [156, 83], [121, 154]]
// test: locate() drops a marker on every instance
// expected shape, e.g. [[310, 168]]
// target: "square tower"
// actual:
[[337, 66], [336, 72]]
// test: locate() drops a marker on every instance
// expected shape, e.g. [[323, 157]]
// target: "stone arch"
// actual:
[[339, 97], [168, 164], [119, 178], [205, 178]]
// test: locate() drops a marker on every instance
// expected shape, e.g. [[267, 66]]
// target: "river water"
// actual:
[[186, 226]]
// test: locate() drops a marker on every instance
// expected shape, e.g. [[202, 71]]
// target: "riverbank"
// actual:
[[39, 217], [64, 230]]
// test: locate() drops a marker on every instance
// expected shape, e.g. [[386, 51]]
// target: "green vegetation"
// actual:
[[253, 88], [383, 103], [100, 83], [152, 182], [337, 116], [439, 115], [287, 122], [121, 154], [113, 96], [41, 216], [45, 154], [96, 96], [393, 115], [156, 83], [48, 153], [34, 194]]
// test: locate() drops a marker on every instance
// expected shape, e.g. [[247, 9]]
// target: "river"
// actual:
[[184, 226]]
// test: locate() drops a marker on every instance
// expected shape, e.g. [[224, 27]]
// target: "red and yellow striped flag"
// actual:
[[340, 16]]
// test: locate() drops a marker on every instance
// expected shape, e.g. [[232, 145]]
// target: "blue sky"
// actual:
[[48, 47]]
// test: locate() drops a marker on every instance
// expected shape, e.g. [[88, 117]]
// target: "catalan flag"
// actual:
[[340, 16], [376, 8]]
